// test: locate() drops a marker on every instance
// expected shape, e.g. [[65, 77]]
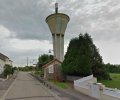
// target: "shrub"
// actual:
[[8, 70]]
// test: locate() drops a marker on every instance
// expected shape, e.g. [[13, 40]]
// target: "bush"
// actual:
[[39, 72], [8, 70]]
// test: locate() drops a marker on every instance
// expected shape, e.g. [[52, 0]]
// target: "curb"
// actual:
[[52, 86], [55, 95]]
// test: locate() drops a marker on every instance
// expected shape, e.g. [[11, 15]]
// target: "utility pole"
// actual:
[[27, 61]]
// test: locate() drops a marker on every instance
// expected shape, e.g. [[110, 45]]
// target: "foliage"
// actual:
[[114, 83], [44, 59], [27, 68], [39, 72], [112, 68], [8, 70], [63, 85], [83, 58]]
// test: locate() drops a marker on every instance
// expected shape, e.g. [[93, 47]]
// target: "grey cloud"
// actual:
[[105, 21], [25, 19]]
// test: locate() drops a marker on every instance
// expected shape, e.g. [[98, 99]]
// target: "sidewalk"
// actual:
[[4, 85]]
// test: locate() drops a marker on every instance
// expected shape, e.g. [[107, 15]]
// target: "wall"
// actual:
[[2, 63], [72, 78], [56, 74], [83, 90], [88, 86], [9, 62], [110, 94]]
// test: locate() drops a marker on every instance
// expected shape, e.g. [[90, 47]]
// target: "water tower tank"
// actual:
[[57, 24]]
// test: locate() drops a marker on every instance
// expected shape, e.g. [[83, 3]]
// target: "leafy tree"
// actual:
[[83, 58], [44, 59], [112, 68], [27, 68]]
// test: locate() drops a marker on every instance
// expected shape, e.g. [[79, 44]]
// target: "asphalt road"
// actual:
[[4, 85], [25, 87]]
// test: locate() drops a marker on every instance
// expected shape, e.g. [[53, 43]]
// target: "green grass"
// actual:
[[62, 85], [38, 72], [114, 83]]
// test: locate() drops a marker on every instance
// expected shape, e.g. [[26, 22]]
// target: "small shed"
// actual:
[[52, 70]]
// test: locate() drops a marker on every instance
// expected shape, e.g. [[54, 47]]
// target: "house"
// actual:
[[4, 60], [52, 70]]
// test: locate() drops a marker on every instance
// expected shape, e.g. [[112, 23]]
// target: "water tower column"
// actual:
[[58, 46], [57, 23]]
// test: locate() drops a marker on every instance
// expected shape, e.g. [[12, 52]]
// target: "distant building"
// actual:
[[4, 60], [52, 70]]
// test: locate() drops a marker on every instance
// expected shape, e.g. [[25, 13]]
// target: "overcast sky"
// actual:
[[24, 32]]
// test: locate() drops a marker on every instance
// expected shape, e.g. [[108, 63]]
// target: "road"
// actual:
[[25, 87], [4, 85]]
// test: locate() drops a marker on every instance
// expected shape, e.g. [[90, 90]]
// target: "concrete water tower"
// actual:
[[57, 23]]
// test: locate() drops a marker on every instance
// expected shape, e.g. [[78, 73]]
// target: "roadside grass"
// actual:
[[63, 85], [38, 72], [114, 83]]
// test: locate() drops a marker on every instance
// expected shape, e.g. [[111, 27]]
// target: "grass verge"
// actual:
[[114, 83], [63, 85]]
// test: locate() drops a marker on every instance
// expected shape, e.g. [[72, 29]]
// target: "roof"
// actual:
[[3, 57], [51, 62]]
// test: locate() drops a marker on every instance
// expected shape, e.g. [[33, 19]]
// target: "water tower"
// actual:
[[57, 23]]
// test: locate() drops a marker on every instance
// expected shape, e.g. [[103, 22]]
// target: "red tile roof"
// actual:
[[51, 62]]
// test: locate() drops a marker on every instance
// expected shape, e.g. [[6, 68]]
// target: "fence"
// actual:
[[79, 81], [112, 93], [89, 86]]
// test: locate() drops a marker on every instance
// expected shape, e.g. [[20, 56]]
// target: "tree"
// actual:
[[112, 68], [44, 59], [27, 68], [83, 58]]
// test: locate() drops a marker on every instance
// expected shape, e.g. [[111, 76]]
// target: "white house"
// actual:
[[4, 60]]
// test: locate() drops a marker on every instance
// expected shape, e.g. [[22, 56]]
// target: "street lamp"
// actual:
[[50, 51], [57, 23]]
